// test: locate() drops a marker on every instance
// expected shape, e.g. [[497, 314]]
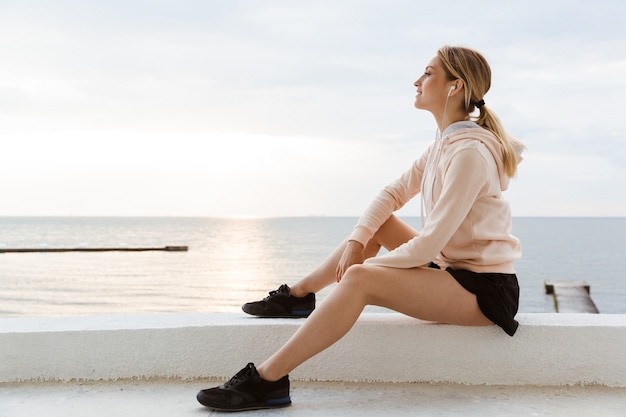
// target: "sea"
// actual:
[[234, 260]]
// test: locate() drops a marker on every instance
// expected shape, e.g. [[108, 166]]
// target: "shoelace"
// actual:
[[281, 289], [240, 376]]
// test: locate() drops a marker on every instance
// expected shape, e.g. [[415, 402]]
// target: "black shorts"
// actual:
[[497, 295]]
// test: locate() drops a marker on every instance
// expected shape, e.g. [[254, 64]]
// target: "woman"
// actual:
[[458, 269]]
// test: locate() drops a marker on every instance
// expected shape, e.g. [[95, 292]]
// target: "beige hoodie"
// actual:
[[469, 224]]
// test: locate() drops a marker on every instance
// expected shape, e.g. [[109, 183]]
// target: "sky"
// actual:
[[245, 108]]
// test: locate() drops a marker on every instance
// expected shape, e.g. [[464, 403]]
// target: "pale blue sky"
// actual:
[[287, 108]]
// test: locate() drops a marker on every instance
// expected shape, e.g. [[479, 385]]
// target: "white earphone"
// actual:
[[451, 90]]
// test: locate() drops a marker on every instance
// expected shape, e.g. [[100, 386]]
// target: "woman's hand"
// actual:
[[352, 254]]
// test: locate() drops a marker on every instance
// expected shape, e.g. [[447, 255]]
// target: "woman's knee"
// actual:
[[393, 233], [360, 282], [355, 276]]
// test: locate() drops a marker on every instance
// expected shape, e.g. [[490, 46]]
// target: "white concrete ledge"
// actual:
[[548, 349]]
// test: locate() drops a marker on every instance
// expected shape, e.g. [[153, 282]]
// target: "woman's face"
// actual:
[[432, 87]]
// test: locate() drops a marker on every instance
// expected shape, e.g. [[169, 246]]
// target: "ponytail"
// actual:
[[512, 147]]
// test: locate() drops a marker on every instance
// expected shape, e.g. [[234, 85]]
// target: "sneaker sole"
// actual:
[[285, 316], [297, 314], [276, 403]]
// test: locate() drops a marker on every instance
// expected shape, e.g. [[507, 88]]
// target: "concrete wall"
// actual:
[[548, 349]]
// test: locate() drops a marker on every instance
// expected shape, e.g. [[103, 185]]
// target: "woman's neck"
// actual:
[[449, 117]]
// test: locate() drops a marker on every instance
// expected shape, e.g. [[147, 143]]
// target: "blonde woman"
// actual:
[[458, 269]]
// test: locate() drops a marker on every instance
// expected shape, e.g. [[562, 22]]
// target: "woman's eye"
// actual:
[[427, 74]]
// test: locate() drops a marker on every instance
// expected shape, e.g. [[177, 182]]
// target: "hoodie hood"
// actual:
[[467, 130]]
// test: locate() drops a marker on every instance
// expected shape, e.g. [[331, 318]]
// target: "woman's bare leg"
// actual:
[[393, 233], [424, 293]]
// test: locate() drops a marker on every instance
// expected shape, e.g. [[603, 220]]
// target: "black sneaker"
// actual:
[[281, 303], [247, 391]]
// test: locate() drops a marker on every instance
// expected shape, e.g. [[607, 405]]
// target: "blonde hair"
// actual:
[[472, 68]]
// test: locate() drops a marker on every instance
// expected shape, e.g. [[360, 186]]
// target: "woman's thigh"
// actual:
[[424, 293], [394, 232]]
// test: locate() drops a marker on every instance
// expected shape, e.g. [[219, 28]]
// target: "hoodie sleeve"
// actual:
[[464, 180], [391, 198]]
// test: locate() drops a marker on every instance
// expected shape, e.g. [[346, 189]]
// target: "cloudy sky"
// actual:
[[288, 108]]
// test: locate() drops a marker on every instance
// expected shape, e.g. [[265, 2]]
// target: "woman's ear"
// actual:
[[458, 84], [455, 88]]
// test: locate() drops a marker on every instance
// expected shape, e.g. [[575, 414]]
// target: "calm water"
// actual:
[[231, 261]]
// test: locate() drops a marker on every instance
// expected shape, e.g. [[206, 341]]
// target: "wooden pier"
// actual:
[[571, 296], [105, 249]]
